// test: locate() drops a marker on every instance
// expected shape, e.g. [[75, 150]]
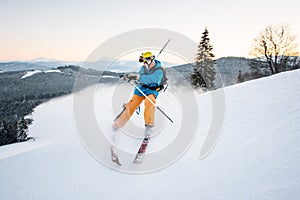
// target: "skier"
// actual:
[[148, 80]]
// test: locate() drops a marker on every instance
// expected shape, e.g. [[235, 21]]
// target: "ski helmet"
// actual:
[[146, 57]]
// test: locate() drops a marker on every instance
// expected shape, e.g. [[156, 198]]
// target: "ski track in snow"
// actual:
[[256, 157]]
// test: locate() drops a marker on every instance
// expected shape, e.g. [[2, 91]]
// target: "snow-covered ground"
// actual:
[[31, 73], [257, 156]]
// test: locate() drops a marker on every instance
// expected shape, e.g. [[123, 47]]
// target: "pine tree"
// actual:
[[239, 78], [22, 130], [4, 133], [203, 75]]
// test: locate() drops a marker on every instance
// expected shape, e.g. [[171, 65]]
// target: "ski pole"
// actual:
[[156, 106], [163, 47]]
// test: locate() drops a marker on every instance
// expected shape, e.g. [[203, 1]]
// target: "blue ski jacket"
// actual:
[[149, 79]]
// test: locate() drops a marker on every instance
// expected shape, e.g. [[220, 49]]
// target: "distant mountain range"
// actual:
[[46, 64], [227, 68]]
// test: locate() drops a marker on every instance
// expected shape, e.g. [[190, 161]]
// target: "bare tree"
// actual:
[[275, 44]]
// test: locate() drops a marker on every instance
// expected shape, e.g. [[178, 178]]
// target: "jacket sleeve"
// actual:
[[151, 79]]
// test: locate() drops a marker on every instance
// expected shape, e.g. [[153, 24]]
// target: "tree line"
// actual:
[[275, 51]]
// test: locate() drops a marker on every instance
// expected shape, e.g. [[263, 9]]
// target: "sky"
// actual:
[[71, 30]]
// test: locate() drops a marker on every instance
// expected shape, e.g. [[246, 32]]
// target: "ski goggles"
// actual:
[[145, 60]]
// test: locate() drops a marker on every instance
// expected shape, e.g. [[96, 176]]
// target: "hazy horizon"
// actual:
[[71, 30]]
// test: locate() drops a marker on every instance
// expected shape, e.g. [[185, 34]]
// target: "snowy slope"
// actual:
[[257, 156]]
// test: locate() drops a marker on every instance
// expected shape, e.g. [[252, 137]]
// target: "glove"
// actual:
[[130, 77]]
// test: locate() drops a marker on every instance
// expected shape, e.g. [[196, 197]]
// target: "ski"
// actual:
[[141, 152], [114, 157]]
